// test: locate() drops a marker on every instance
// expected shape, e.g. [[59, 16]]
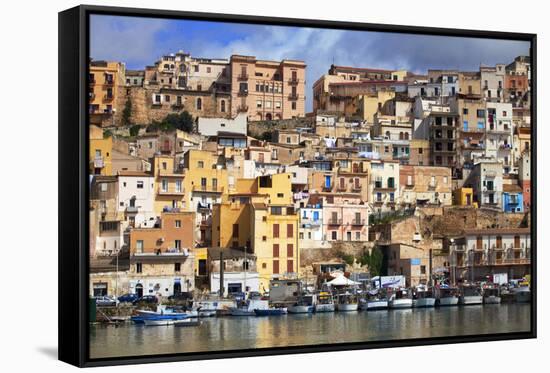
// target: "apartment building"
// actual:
[[106, 80], [425, 186]]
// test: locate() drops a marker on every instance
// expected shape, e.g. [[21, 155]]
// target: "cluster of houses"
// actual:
[[171, 210]]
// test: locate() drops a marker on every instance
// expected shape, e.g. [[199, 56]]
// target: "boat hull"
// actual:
[[324, 308], [161, 322], [300, 309], [491, 299], [401, 303], [271, 312], [523, 296], [374, 305], [347, 307], [447, 301], [187, 323], [468, 300], [241, 312], [424, 303]]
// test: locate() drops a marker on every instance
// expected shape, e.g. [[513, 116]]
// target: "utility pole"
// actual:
[[221, 274], [430, 282]]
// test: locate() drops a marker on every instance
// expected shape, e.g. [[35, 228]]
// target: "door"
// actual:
[[139, 290], [177, 288]]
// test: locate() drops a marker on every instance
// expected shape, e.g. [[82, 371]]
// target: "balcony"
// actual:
[[242, 93], [109, 82], [168, 192], [204, 206], [327, 187], [358, 222], [333, 221], [341, 188], [242, 108], [165, 148], [432, 186], [131, 209], [293, 96], [242, 77], [207, 188], [311, 222], [160, 254], [107, 97], [293, 81], [380, 187], [357, 187], [92, 96], [99, 162]]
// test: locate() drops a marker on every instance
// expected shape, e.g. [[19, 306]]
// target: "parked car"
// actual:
[[181, 296], [105, 301], [127, 298], [151, 299]]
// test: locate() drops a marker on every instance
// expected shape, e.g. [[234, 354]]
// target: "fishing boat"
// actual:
[[491, 295], [275, 311], [246, 308], [522, 294], [159, 322], [187, 322], [402, 298], [470, 295], [346, 302], [324, 302], [423, 297], [304, 304], [162, 313], [446, 296], [374, 300]]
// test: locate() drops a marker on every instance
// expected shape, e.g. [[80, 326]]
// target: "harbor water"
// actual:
[[234, 333]]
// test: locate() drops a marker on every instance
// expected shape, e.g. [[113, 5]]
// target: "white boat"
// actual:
[[247, 308], [347, 302], [375, 300], [324, 302], [491, 295], [471, 295], [423, 298], [304, 304], [446, 297], [522, 294], [402, 298], [187, 322], [159, 322]]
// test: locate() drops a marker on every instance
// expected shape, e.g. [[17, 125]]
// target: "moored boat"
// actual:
[[491, 295], [275, 311], [402, 298], [158, 322], [247, 307], [324, 302], [304, 304], [446, 296], [346, 302], [423, 298], [470, 295], [374, 300], [187, 322], [522, 294]]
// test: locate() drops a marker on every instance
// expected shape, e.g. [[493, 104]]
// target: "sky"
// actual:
[[141, 41]]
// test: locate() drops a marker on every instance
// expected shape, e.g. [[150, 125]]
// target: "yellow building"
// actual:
[[260, 215], [169, 184], [106, 79], [101, 150], [464, 197], [369, 105]]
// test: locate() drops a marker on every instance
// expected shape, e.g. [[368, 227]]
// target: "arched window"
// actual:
[[388, 134], [406, 135], [223, 106], [401, 136], [199, 103]]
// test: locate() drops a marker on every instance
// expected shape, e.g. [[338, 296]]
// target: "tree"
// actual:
[[374, 261], [134, 130], [182, 121], [127, 113]]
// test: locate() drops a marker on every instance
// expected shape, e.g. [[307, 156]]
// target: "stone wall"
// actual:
[[257, 128]]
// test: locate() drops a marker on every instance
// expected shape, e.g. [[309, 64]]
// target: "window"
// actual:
[[290, 265], [139, 268], [259, 104], [199, 103], [465, 111], [222, 108], [275, 267], [139, 184], [164, 185], [177, 267], [290, 230], [334, 235], [275, 250], [178, 223], [277, 104], [200, 164], [293, 105], [177, 244], [235, 230], [275, 230], [178, 186], [422, 270], [139, 246]]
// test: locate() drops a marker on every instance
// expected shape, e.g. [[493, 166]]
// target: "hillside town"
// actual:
[[210, 176]]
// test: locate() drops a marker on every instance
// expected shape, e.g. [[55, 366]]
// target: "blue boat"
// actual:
[[174, 316], [271, 312]]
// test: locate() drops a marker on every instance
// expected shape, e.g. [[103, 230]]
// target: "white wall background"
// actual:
[[28, 190]]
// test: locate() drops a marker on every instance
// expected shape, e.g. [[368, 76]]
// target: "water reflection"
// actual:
[[229, 333]]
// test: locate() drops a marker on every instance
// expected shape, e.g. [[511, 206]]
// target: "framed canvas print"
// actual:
[[236, 186]]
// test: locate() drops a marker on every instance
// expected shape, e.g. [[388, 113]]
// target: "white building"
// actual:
[[136, 195], [310, 230], [211, 126], [499, 134]]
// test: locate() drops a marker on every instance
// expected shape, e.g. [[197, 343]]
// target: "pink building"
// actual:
[[345, 216]]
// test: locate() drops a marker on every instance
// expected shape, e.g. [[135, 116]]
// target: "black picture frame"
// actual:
[[74, 183]]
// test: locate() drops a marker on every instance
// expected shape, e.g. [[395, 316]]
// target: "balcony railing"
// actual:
[[242, 108], [293, 81], [358, 222], [293, 96], [341, 188], [207, 188], [243, 93], [242, 77], [131, 209], [356, 187], [107, 97], [168, 192], [109, 82], [333, 221], [99, 162]]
